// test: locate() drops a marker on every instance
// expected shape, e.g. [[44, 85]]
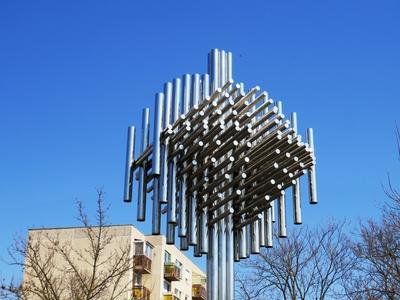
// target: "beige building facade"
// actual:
[[160, 271]]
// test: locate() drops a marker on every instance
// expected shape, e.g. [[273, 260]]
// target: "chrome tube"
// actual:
[[229, 67], [186, 94], [282, 216], [196, 90], [156, 214], [204, 231], [156, 155], [184, 243], [255, 237], [222, 63], [205, 86], [130, 157], [221, 260], [212, 264], [311, 172], [296, 188], [156, 164], [172, 181], [192, 224], [164, 146], [182, 207], [262, 226], [170, 239], [268, 229], [242, 243], [214, 66], [230, 270], [141, 209], [248, 240]]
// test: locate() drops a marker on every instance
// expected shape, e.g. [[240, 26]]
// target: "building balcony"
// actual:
[[141, 264], [172, 272], [170, 297], [199, 292], [140, 292]]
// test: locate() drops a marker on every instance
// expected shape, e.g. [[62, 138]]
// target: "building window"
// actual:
[[167, 286], [178, 264], [167, 257], [149, 250], [137, 278], [138, 249], [186, 275], [141, 248]]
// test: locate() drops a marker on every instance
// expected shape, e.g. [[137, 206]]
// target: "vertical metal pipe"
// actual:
[[268, 229], [243, 242], [255, 235], [130, 157], [141, 209], [273, 217], [182, 208], [177, 86], [221, 260], [156, 215], [229, 67], [296, 188], [204, 231], [196, 89], [248, 241], [282, 216], [241, 87], [192, 236], [156, 164], [205, 86], [199, 237], [184, 243], [262, 226], [230, 271], [186, 94], [170, 234], [172, 181], [183, 212], [236, 241], [156, 155], [214, 66], [311, 172], [212, 264], [164, 146], [222, 63]]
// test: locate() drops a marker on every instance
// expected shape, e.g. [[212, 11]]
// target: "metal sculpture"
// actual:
[[219, 159]]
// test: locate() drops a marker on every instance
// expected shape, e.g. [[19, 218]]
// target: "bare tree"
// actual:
[[378, 250], [56, 269], [309, 264]]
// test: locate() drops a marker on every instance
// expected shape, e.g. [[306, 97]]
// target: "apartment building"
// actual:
[[160, 271]]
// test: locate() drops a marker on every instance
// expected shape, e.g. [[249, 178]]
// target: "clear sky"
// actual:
[[75, 74]]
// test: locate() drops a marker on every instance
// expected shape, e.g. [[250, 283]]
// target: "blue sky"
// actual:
[[75, 74]]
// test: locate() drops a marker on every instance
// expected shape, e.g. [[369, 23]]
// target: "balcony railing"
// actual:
[[199, 292], [141, 264], [140, 292], [172, 272], [170, 297]]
